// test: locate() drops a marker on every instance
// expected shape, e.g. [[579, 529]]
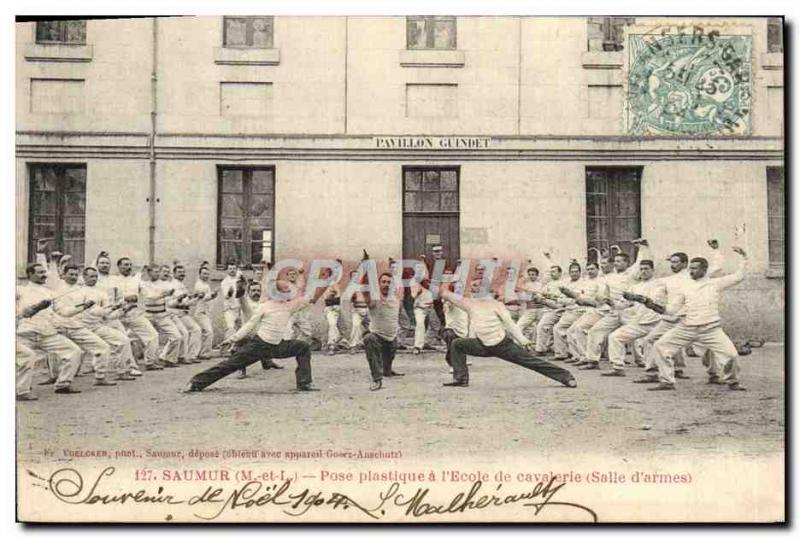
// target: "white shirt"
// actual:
[[490, 321], [98, 314], [637, 312], [43, 323], [126, 286], [456, 319], [700, 298], [228, 285], [202, 304], [270, 320]]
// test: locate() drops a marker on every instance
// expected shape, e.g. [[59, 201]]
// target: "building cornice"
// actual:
[[199, 146]]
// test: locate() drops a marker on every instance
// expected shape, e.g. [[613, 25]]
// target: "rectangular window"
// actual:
[[613, 207], [57, 208], [245, 98], [247, 32], [607, 33], [246, 215], [437, 33], [430, 211], [775, 34], [431, 100], [775, 215], [63, 32], [57, 96]]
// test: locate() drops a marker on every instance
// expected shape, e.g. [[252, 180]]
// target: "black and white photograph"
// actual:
[[400, 268]]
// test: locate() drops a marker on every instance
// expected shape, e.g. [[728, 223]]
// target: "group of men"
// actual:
[[609, 306]]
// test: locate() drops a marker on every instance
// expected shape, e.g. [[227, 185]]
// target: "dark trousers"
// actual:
[[380, 355], [438, 307], [448, 336], [254, 349], [507, 350]]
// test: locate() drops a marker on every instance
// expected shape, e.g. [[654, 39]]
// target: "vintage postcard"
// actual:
[[400, 269]]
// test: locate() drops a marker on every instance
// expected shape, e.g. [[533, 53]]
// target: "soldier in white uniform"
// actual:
[[249, 304], [496, 335], [359, 316], [701, 324], [333, 309], [616, 283], [300, 327], [230, 305], [423, 306], [70, 298], [127, 285], [544, 329], [534, 310], [36, 331], [98, 319], [204, 295], [181, 301], [637, 320], [577, 334], [576, 289], [154, 293]]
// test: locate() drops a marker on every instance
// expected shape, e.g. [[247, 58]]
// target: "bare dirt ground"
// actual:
[[506, 411]]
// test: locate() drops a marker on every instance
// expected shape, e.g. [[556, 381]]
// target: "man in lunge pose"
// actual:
[[263, 336], [701, 324], [494, 330], [381, 341], [249, 305]]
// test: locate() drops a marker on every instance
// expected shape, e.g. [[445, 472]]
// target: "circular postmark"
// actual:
[[689, 84]]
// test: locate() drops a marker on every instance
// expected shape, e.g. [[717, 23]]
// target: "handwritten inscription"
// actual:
[[68, 486], [689, 81]]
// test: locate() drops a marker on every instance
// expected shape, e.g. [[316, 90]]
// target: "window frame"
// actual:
[[59, 209], [775, 22], [776, 268], [62, 30], [439, 169], [247, 171], [607, 29], [433, 19], [612, 204], [249, 19]]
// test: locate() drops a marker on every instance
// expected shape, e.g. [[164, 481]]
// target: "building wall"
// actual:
[[335, 82]]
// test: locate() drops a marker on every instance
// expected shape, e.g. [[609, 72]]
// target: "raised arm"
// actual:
[[734, 278]]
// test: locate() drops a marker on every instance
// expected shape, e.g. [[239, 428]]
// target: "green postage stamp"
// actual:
[[688, 80]]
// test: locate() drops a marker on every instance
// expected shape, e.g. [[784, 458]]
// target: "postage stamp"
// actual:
[[688, 81]]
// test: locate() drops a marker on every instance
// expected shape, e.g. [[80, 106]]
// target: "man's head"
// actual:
[[574, 271], [89, 277], [103, 265], [621, 262], [71, 273], [678, 262], [292, 274], [475, 286], [124, 266], [555, 272], [592, 269], [698, 268], [204, 274], [646, 270], [254, 291], [606, 266], [385, 283], [533, 273], [231, 267], [166, 273], [152, 272], [36, 273], [438, 252]]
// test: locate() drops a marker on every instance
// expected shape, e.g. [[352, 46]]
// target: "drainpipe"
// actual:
[[151, 252]]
